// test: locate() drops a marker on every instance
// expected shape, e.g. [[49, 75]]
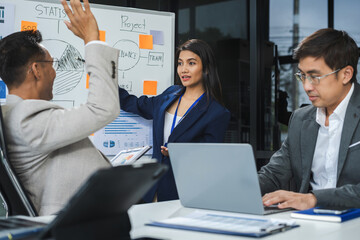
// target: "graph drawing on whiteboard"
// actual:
[[70, 70]]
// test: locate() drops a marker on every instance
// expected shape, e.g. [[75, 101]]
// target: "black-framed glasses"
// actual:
[[301, 77], [54, 61]]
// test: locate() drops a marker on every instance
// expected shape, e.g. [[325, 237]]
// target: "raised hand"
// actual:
[[82, 22]]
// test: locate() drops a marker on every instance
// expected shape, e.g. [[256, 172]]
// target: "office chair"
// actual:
[[14, 199]]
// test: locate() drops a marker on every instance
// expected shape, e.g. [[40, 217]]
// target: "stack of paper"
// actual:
[[230, 225]]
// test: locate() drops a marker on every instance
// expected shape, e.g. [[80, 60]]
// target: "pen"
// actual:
[[80, 59]]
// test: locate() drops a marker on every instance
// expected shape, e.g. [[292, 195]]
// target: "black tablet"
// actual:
[[99, 209]]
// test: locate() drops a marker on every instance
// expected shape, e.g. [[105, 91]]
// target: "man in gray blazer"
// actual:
[[47, 144], [320, 158]]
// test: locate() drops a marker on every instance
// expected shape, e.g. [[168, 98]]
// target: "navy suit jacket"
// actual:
[[206, 122]]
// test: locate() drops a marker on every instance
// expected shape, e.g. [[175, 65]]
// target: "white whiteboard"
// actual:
[[146, 63]]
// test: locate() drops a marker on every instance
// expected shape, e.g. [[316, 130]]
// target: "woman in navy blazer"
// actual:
[[190, 112]]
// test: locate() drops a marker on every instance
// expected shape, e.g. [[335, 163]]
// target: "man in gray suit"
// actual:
[[320, 157], [47, 144]]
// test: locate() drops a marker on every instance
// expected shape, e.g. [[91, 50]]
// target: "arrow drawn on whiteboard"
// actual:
[[123, 75]]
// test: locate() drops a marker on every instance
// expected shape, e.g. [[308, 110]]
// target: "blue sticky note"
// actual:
[[158, 37], [2, 89]]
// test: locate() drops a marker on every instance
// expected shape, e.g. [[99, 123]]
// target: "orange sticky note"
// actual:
[[145, 41], [25, 25], [102, 35], [87, 81], [150, 87]]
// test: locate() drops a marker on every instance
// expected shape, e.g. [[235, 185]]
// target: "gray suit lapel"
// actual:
[[351, 121], [309, 132]]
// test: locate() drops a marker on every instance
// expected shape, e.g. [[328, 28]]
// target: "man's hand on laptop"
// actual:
[[287, 199], [82, 22]]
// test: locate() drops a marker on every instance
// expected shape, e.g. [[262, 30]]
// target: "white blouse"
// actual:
[[169, 118]]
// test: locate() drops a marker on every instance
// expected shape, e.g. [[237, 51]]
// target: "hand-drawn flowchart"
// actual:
[[139, 51], [144, 38]]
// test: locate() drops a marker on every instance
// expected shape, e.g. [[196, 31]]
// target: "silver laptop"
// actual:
[[217, 176]]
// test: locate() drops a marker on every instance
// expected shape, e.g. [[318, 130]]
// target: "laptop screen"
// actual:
[[216, 176]]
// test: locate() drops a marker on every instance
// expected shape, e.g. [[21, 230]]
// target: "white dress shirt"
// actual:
[[169, 118], [326, 155]]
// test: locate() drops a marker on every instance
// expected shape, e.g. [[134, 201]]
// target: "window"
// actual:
[[206, 20], [348, 8], [290, 22], [227, 34]]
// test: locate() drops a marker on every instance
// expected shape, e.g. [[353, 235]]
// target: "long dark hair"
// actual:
[[210, 76]]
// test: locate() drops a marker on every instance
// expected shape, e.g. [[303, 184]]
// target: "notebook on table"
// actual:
[[97, 209], [217, 176], [328, 215]]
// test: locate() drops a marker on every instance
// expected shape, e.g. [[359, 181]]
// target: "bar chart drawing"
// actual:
[[126, 131]]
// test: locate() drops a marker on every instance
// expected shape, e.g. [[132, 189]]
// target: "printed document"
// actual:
[[234, 225]]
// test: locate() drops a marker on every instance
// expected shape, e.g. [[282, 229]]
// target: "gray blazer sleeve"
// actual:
[[47, 127], [277, 173], [285, 169], [347, 196]]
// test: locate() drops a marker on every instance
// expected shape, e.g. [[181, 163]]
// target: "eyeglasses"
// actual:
[[54, 61], [312, 80]]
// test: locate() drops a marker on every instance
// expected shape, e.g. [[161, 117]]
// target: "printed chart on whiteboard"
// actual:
[[127, 131]]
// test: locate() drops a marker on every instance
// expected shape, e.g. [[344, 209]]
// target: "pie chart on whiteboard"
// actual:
[[69, 70]]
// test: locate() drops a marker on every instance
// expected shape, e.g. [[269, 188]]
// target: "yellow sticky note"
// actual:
[[145, 41], [102, 35], [87, 81], [150, 87], [25, 25]]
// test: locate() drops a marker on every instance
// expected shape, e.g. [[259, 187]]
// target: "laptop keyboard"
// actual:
[[274, 209]]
